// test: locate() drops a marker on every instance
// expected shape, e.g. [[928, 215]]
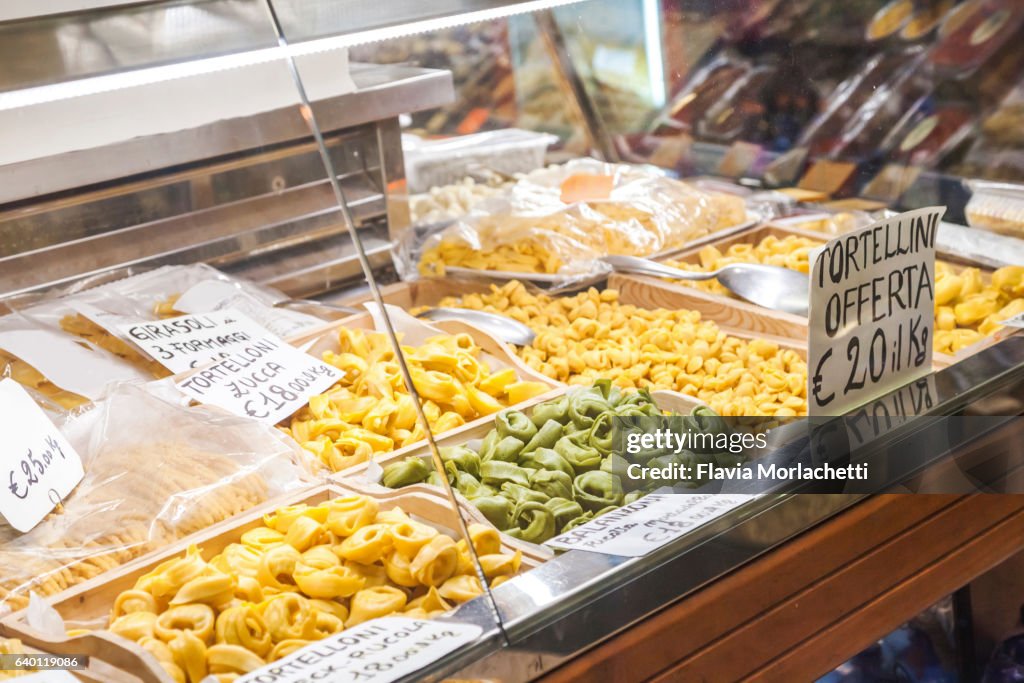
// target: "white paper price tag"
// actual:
[[266, 379], [378, 651], [190, 341], [38, 466], [642, 527], [872, 311], [216, 295]]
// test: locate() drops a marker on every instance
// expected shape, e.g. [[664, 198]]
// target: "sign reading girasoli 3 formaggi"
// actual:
[[872, 311]]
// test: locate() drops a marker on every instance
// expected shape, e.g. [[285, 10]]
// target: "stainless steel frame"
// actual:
[[248, 195]]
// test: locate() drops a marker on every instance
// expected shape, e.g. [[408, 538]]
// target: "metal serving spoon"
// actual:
[[499, 326], [773, 287]]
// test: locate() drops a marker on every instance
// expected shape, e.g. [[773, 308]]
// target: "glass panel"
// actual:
[[406, 382]]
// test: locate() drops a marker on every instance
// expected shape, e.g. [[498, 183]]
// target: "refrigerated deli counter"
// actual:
[[313, 337]]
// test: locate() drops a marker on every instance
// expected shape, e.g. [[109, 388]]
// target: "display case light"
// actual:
[[91, 85]]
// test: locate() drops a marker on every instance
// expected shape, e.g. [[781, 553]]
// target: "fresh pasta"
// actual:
[[968, 309], [13, 646], [27, 376], [370, 412], [590, 336], [539, 475], [638, 215], [307, 573], [80, 326]]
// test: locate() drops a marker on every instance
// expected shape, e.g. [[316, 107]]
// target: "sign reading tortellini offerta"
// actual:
[[872, 311], [377, 651], [38, 467]]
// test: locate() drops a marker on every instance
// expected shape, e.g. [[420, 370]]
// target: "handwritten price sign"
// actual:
[[872, 311], [266, 379], [38, 466]]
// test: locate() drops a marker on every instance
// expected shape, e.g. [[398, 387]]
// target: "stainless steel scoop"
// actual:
[[499, 326], [772, 287]]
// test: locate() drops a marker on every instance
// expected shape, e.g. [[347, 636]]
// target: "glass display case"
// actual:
[[358, 317]]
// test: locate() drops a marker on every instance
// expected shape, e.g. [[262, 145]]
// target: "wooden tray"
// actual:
[[122, 661], [419, 293], [317, 342]]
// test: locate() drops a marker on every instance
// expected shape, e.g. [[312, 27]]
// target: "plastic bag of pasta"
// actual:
[[92, 312], [559, 221], [58, 369], [154, 472]]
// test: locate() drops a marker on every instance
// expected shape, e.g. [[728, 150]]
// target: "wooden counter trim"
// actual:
[[888, 611], [763, 611]]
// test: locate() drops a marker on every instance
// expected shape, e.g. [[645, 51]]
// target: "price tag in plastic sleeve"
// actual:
[[38, 466], [643, 526], [189, 341], [872, 312], [265, 378], [377, 651]]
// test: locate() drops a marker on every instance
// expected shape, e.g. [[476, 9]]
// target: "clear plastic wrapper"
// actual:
[[824, 134], [701, 92], [155, 472], [56, 367], [555, 224], [930, 134], [91, 313], [972, 35], [445, 202], [429, 163], [739, 112], [996, 207]]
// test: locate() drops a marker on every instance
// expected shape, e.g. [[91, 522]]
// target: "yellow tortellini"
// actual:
[[12, 646], [370, 411], [592, 336], [968, 309], [308, 572]]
